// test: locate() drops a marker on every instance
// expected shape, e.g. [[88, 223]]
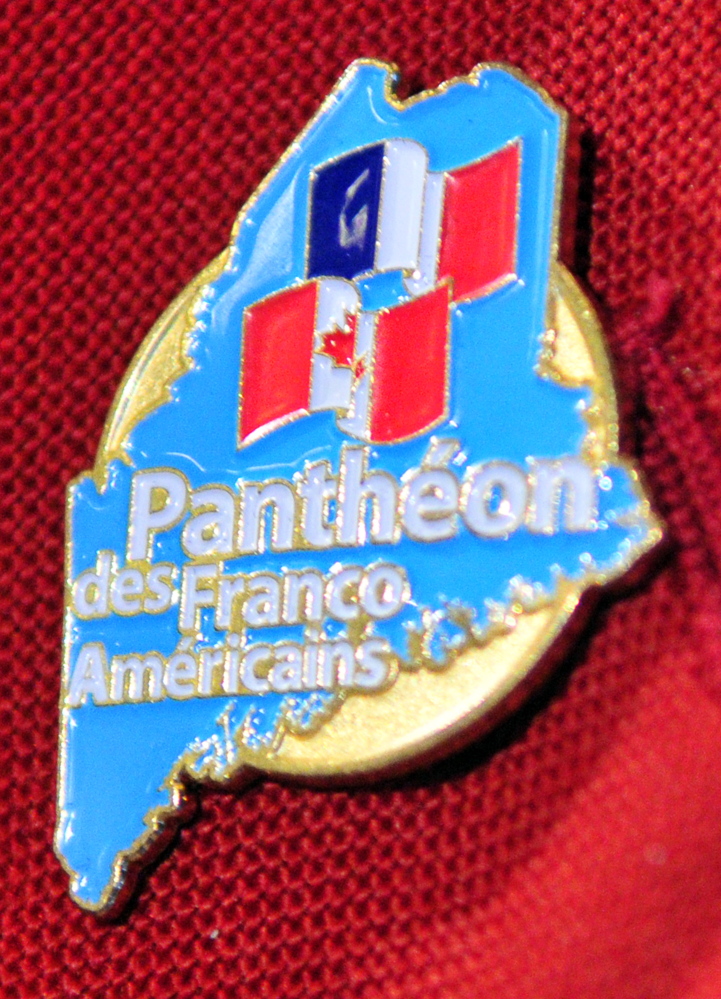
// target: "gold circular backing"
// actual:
[[423, 708]]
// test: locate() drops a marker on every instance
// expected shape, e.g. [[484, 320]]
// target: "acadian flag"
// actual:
[[313, 347]]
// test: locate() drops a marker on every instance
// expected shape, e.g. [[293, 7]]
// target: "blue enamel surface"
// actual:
[[117, 758]]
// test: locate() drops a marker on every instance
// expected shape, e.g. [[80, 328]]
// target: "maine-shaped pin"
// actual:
[[356, 480]]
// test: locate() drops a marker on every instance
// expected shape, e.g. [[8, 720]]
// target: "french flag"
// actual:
[[385, 373]]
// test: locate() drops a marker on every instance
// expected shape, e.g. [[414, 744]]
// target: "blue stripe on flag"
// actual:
[[344, 211]]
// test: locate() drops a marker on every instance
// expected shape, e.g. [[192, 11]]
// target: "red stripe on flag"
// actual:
[[478, 236], [410, 367], [278, 338]]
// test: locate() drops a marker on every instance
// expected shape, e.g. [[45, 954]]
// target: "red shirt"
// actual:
[[574, 852]]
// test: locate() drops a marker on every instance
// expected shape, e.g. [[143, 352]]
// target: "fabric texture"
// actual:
[[573, 853]]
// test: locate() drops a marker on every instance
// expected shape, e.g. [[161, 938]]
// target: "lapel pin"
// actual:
[[356, 481]]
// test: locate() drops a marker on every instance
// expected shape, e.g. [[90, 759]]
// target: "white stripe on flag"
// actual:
[[404, 174], [424, 278], [330, 384], [357, 423]]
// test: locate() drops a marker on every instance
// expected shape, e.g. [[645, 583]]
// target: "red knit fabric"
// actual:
[[574, 853]]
